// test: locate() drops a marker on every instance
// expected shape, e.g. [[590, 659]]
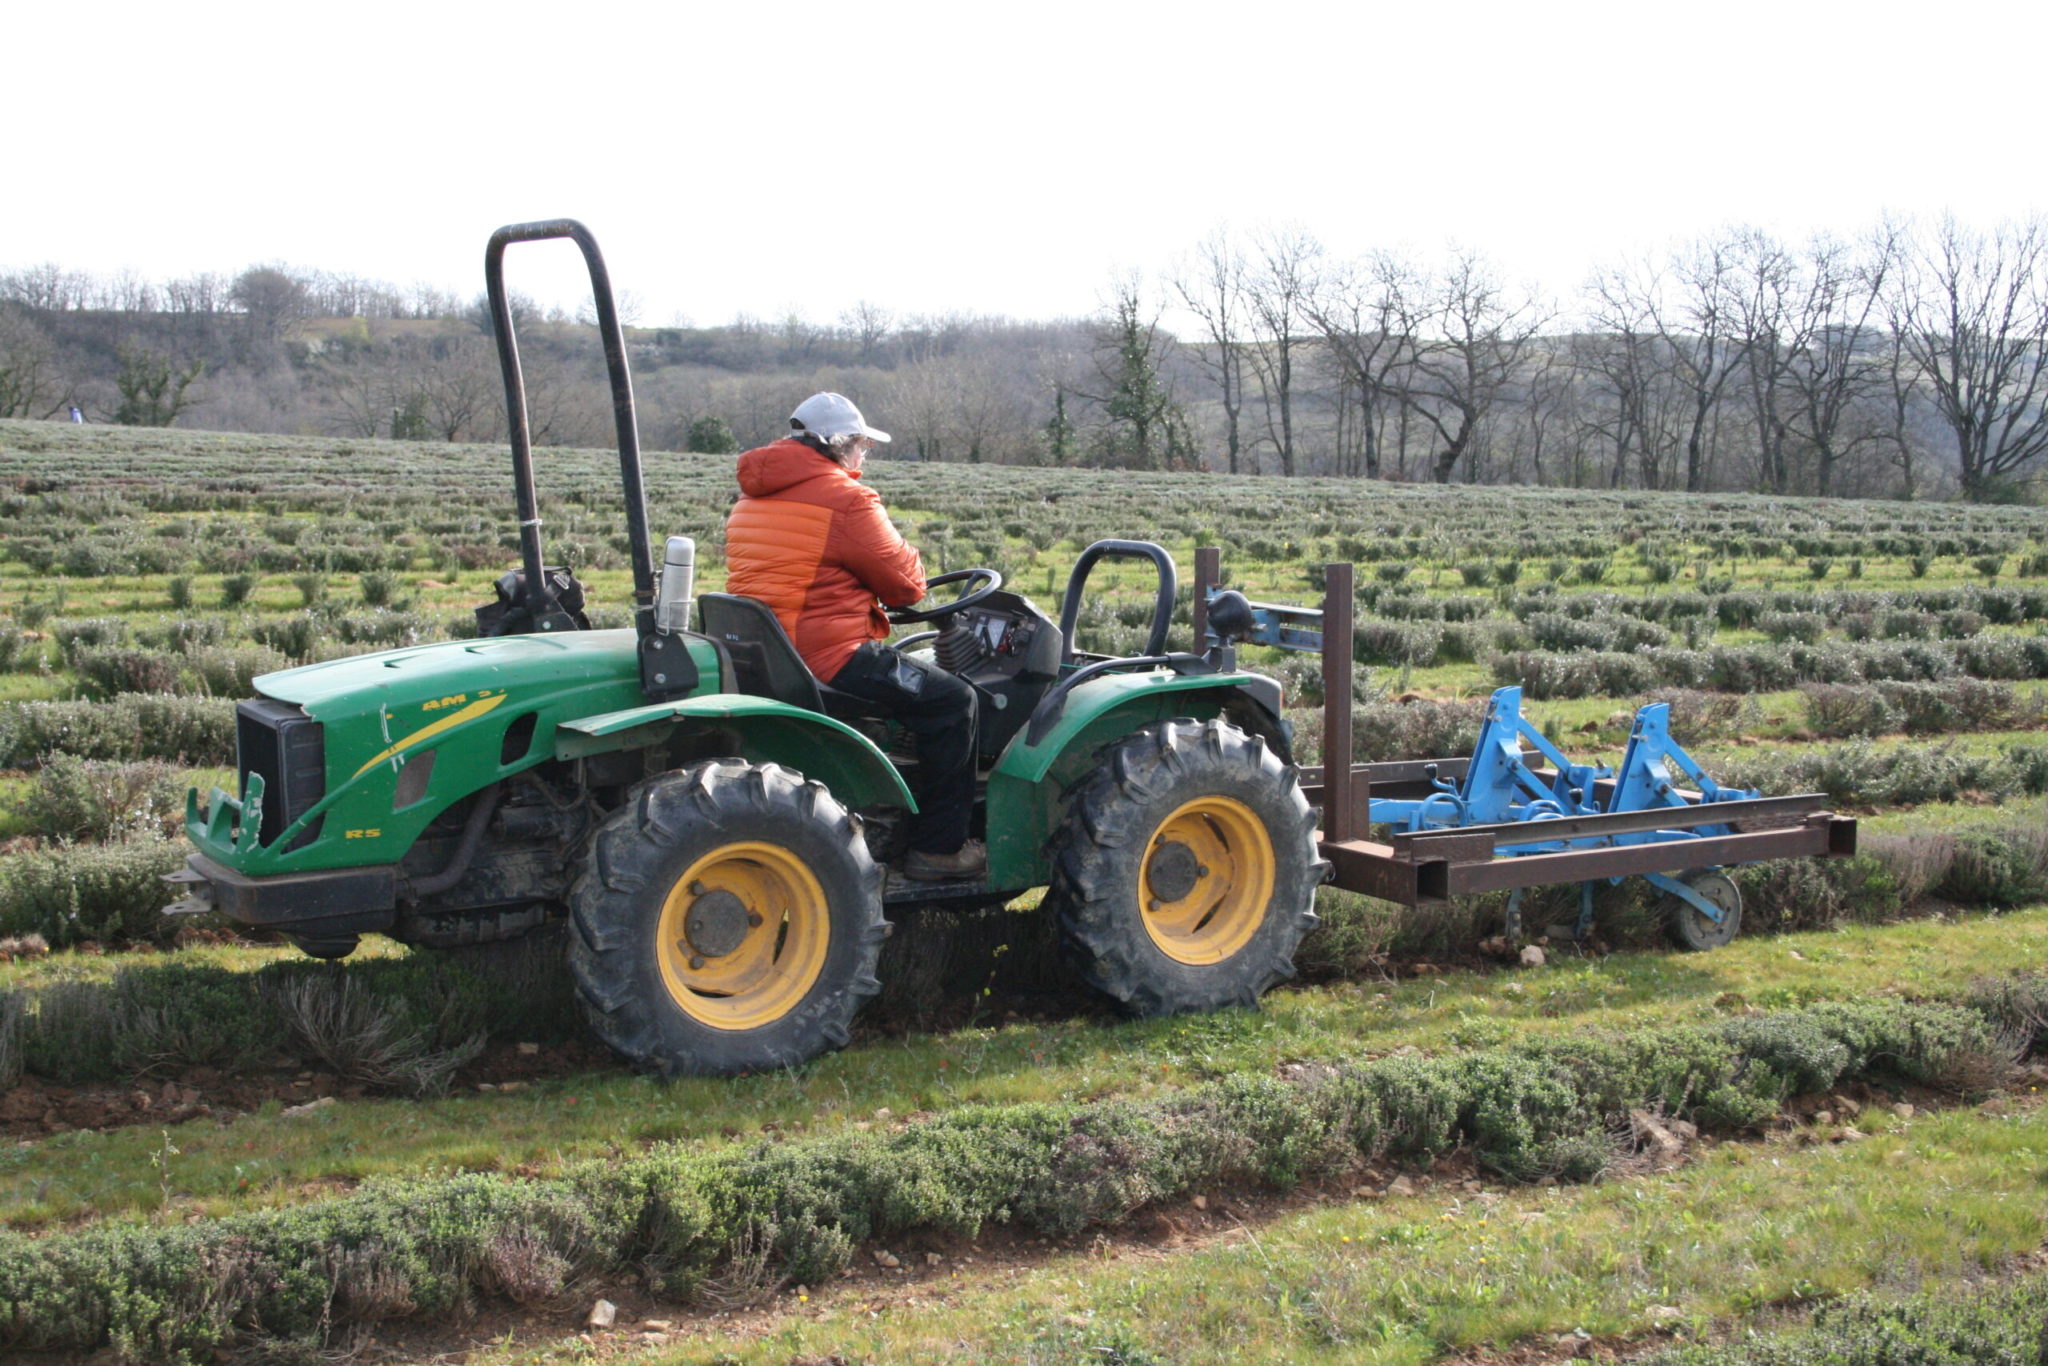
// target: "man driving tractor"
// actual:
[[811, 541]]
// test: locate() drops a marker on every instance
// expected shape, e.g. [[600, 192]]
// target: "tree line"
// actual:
[[1909, 360]]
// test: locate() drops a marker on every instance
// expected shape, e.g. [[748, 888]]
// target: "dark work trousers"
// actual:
[[939, 711]]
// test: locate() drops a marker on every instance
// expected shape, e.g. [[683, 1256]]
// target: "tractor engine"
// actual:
[[493, 867]]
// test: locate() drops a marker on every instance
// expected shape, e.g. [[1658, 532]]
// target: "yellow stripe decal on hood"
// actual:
[[468, 713]]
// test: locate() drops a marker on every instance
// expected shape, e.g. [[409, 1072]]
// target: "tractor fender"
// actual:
[[1027, 789], [815, 745]]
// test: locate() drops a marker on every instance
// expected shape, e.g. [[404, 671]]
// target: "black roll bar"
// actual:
[[1162, 608], [614, 339]]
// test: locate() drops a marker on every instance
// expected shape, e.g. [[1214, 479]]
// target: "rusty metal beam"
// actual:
[[1344, 809], [1814, 838], [1391, 778], [1208, 569], [1460, 862], [1781, 809], [1363, 866]]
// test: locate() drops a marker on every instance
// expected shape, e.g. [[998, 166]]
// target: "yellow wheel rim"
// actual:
[[743, 935], [1207, 880]]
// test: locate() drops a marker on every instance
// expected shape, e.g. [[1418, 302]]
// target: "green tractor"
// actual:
[[714, 823]]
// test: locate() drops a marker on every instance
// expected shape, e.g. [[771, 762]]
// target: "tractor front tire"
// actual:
[[727, 919], [1185, 874]]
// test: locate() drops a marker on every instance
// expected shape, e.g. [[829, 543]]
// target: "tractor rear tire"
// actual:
[[1185, 874], [727, 919]]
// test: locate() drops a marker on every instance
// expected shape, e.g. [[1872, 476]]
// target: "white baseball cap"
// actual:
[[831, 415]]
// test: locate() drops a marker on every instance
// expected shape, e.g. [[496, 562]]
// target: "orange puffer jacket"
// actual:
[[813, 543]]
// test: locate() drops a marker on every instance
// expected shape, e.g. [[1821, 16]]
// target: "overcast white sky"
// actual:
[[763, 157]]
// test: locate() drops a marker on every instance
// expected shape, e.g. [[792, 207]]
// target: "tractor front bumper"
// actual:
[[336, 902]]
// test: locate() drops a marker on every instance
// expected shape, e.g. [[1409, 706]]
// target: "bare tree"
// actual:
[[1973, 308], [868, 325], [452, 384], [1277, 287], [1211, 285], [524, 309], [798, 335], [343, 294], [626, 304], [203, 294], [128, 292], [361, 387], [1614, 363], [1467, 339], [1360, 312], [1688, 307], [46, 288], [1901, 393], [968, 406], [429, 301], [28, 384], [1836, 358], [1546, 396], [1761, 281]]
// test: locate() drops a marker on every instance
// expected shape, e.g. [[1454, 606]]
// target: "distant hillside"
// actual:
[[1738, 364]]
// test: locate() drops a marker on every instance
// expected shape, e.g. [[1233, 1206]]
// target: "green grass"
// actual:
[[1950, 817], [266, 1158], [36, 687], [233, 957]]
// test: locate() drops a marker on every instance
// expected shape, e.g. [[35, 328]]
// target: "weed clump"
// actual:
[[330, 1016]]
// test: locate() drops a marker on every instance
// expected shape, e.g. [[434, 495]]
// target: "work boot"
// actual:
[[970, 860]]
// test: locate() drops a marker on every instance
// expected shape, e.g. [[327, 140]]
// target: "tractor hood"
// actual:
[[430, 673], [469, 711]]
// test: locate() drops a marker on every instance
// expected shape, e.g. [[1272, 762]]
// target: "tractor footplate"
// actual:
[[902, 891]]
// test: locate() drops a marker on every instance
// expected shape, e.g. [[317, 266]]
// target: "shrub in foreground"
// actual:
[[196, 731], [796, 1210], [110, 893], [102, 801]]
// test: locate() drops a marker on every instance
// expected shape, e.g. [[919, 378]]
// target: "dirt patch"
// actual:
[[35, 1108]]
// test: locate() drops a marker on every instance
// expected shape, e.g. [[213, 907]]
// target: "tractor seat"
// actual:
[[765, 662]]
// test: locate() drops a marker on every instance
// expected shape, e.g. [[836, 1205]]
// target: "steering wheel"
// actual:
[[986, 582]]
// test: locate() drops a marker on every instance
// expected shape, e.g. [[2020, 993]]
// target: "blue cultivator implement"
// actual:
[[1518, 813]]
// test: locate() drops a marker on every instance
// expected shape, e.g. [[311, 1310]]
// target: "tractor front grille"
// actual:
[[286, 746]]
